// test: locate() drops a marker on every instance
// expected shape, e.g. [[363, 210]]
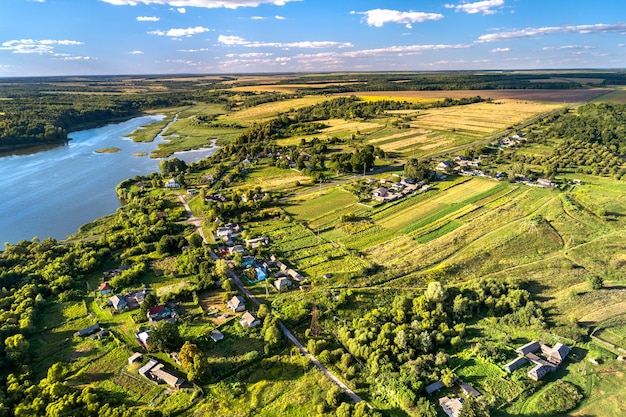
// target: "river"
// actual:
[[51, 193]]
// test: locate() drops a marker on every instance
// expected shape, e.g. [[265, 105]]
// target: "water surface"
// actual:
[[52, 192]]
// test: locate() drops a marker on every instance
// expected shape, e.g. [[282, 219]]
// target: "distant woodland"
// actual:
[[43, 110]]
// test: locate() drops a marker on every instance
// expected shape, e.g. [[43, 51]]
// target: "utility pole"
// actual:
[[364, 163]]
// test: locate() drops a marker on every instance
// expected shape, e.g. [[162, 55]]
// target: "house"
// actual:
[[435, 386], [282, 283], [558, 354], [530, 347], [104, 288], [172, 183], [118, 303], [237, 249], [451, 406], [380, 192], [249, 320], [515, 364], [135, 357], [87, 330], [538, 372], [216, 335], [237, 303], [469, 390], [158, 313], [444, 166], [545, 183], [258, 242], [142, 338]]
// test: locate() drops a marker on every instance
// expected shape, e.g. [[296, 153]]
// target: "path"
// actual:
[[297, 343], [196, 221]]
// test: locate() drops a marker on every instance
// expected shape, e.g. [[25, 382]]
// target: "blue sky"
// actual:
[[92, 37]]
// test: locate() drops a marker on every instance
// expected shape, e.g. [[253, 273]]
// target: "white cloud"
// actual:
[[258, 18], [485, 6], [193, 50], [148, 18], [378, 17], [496, 50], [181, 10], [136, 52], [239, 41], [250, 55], [31, 46], [177, 33], [531, 32], [77, 58], [209, 4], [279, 17], [566, 47]]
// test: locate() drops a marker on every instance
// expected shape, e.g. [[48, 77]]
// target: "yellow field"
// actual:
[[398, 98], [461, 125], [268, 110], [284, 88]]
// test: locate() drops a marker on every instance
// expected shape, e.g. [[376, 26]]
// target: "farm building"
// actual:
[[515, 364], [158, 313], [539, 371], [531, 347], [435, 386], [146, 368], [237, 304], [142, 338], [558, 353]]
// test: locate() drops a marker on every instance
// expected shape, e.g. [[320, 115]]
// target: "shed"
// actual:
[[558, 354], [451, 406], [87, 330], [216, 335], [135, 357], [538, 372], [161, 374]]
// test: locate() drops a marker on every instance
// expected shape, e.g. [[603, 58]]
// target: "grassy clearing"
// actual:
[[272, 179]]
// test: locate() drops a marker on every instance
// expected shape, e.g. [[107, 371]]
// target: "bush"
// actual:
[[558, 398]]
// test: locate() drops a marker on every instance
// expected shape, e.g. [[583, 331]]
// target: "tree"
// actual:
[[193, 361], [473, 407], [263, 311], [17, 348], [165, 337], [221, 269], [596, 282], [195, 240], [435, 292]]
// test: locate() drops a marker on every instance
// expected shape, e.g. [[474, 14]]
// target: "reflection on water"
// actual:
[[52, 192]]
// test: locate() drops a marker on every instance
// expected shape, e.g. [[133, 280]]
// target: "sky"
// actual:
[[115, 37]]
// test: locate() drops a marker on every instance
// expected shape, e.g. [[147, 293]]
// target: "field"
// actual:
[[269, 110], [434, 130], [543, 95]]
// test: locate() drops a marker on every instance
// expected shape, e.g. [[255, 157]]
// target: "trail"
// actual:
[[196, 221], [297, 343]]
